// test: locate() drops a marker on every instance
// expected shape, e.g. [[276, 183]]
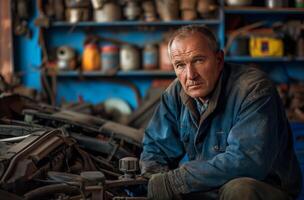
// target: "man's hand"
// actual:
[[159, 187], [167, 185]]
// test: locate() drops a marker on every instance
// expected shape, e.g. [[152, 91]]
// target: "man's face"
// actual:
[[196, 65]]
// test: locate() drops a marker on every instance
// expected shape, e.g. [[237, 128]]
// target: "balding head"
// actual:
[[188, 31]]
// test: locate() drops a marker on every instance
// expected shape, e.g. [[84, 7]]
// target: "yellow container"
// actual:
[[266, 47], [91, 58]]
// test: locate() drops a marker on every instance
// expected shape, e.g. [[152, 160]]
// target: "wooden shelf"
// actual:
[[262, 10]]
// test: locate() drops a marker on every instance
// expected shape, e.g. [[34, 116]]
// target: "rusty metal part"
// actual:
[[26, 150], [9, 196], [14, 139], [129, 166], [50, 190], [105, 147], [94, 124]]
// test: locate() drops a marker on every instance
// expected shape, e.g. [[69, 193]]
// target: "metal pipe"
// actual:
[[14, 139]]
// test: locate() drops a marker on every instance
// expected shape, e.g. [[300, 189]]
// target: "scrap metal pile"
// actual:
[[51, 153]]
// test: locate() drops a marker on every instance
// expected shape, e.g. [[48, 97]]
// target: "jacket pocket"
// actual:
[[187, 139], [220, 142]]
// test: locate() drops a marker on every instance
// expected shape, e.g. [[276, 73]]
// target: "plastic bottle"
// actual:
[[91, 57]]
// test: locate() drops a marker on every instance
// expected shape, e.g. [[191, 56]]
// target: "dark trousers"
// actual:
[[242, 189]]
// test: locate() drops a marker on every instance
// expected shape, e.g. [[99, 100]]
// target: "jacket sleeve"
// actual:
[[253, 144], [161, 144]]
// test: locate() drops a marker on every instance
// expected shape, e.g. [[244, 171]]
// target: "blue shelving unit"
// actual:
[[134, 73], [136, 23], [29, 54], [251, 10], [262, 59]]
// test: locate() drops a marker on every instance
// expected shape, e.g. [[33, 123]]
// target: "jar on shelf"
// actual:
[[167, 10], [74, 15], [66, 58], [150, 57], [188, 9], [238, 2], [91, 57], [207, 8], [149, 11], [107, 13], [129, 58], [131, 10], [109, 57], [164, 61], [276, 3]]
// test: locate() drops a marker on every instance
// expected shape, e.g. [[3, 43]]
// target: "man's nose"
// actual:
[[191, 72]]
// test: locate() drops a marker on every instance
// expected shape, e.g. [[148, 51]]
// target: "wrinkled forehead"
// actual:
[[189, 44]]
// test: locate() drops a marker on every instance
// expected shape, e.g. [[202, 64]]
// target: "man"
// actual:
[[229, 122]]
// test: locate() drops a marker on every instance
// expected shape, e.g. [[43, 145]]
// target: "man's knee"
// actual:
[[239, 188]]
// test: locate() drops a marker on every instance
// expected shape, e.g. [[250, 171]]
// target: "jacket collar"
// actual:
[[213, 101]]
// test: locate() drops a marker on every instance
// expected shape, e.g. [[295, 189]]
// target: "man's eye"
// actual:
[[180, 66], [199, 60]]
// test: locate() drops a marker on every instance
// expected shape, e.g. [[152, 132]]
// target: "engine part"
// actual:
[[93, 177], [129, 166]]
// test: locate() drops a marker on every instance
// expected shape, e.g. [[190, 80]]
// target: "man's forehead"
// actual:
[[187, 48]]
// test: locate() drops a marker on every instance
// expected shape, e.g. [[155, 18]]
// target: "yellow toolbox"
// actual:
[[266, 46]]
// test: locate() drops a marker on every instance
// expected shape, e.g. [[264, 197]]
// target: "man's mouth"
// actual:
[[194, 84]]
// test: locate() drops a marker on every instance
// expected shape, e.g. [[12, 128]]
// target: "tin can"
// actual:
[[150, 57], [129, 58], [108, 13], [65, 58], [109, 57], [276, 3], [164, 60]]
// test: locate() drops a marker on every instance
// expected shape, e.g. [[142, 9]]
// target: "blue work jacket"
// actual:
[[243, 133]]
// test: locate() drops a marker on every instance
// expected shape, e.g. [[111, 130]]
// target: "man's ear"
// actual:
[[220, 58]]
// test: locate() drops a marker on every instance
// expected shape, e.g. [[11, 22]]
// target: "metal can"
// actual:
[[150, 57], [129, 58], [276, 3], [109, 57], [108, 13]]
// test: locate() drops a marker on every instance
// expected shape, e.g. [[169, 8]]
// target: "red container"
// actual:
[[109, 57]]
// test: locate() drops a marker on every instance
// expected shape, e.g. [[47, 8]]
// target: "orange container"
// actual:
[[91, 58]]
